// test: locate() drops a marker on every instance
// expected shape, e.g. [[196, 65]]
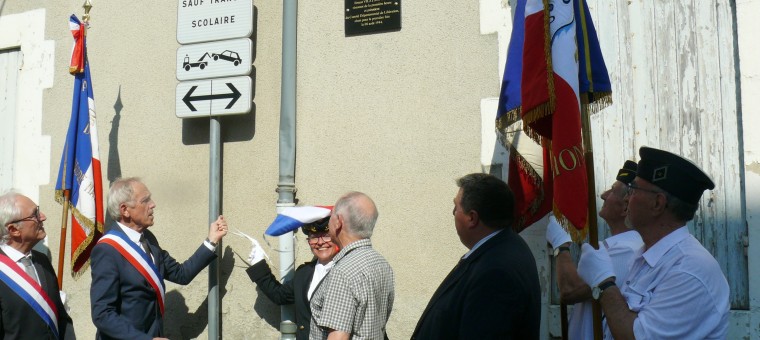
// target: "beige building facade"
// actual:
[[397, 115]]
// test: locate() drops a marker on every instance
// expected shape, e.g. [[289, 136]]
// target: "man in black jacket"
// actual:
[[493, 292], [30, 303], [307, 275]]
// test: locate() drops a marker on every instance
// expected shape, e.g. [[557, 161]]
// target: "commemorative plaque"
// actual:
[[372, 16]]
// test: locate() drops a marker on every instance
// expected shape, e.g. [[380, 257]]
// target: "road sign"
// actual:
[[209, 20], [224, 58], [214, 97]]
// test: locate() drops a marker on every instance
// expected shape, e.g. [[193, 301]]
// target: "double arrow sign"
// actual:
[[213, 97], [188, 99]]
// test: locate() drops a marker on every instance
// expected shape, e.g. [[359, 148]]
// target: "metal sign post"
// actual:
[[228, 24]]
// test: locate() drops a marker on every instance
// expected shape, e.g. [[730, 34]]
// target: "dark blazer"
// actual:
[[124, 305], [293, 291], [19, 321], [493, 294]]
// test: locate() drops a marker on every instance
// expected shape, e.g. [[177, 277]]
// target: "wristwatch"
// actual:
[[209, 242], [597, 291], [558, 250]]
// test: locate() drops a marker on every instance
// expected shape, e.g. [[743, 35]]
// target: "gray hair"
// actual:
[[121, 193], [360, 220], [9, 211], [681, 209]]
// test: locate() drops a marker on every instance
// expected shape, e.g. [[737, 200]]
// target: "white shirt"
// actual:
[[320, 270], [622, 248], [678, 290], [16, 256]]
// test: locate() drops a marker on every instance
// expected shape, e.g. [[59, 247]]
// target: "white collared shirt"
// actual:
[[678, 290], [16, 256], [320, 271]]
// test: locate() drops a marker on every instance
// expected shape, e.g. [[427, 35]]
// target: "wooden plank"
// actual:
[[641, 18], [736, 226]]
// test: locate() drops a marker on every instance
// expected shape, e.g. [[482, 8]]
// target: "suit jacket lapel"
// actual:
[[303, 286], [41, 274]]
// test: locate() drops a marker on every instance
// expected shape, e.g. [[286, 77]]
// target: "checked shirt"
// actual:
[[356, 296]]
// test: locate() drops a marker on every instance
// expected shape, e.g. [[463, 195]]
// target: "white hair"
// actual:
[[9, 211]]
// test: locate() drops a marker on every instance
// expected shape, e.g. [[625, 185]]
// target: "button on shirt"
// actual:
[[678, 291]]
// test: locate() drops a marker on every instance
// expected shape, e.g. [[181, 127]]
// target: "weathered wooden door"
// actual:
[[673, 66]]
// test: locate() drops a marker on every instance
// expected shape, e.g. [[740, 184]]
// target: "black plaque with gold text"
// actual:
[[372, 16]]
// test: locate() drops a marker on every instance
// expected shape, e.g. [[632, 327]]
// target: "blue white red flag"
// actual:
[[292, 218], [544, 91], [79, 173]]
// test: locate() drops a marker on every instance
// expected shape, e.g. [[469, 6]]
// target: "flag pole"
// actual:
[[593, 233], [64, 218], [64, 226]]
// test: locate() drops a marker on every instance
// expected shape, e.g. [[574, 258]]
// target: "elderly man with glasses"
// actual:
[[622, 245], [30, 303], [674, 289]]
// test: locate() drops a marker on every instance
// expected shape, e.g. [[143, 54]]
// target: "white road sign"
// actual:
[[214, 97], [209, 20], [224, 58]]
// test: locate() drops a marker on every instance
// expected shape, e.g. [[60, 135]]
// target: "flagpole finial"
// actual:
[[87, 6]]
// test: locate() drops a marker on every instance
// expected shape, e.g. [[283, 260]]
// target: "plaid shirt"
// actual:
[[356, 296]]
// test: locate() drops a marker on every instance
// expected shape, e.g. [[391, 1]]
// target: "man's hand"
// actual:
[[595, 265], [257, 253], [217, 230], [556, 235]]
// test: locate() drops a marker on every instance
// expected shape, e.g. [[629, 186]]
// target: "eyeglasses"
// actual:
[[632, 187], [34, 216], [315, 239]]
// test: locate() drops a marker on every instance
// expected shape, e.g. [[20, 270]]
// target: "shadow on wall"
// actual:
[[113, 170], [266, 309], [179, 322]]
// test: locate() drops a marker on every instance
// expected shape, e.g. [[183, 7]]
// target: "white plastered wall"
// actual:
[[26, 31]]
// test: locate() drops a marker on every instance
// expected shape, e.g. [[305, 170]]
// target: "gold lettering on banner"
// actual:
[[568, 160]]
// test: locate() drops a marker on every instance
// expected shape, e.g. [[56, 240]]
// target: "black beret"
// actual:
[[674, 174], [319, 226], [627, 173]]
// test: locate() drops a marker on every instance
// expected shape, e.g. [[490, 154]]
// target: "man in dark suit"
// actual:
[[307, 277], [493, 293], [30, 303], [129, 267]]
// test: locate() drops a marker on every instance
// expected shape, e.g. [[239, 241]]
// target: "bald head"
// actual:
[[360, 213]]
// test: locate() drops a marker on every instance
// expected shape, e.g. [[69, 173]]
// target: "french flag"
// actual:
[[79, 176], [292, 218]]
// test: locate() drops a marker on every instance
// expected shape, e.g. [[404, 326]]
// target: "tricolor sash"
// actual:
[[30, 291], [140, 260]]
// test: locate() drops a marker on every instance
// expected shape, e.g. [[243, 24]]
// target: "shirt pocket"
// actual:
[[637, 297]]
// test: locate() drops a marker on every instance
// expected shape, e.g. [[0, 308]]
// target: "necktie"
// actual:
[[28, 267], [144, 244]]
